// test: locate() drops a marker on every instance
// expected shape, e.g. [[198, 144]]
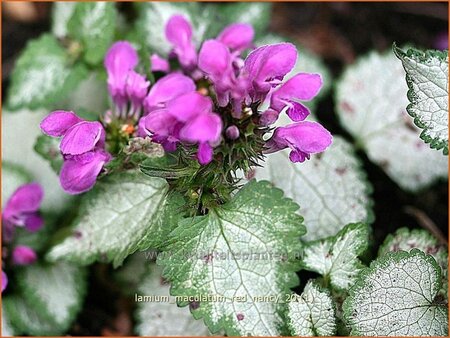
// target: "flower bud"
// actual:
[[232, 132], [23, 255]]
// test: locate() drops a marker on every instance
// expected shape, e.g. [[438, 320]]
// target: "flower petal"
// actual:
[[237, 36], [303, 86], [82, 137], [188, 106], [166, 89], [309, 137], [159, 64], [26, 199], [34, 222], [214, 58], [58, 122], [120, 58], [204, 153], [23, 255], [4, 280], [179, 33], [159, 122], [79, 173], [297, 111], [204, 128]]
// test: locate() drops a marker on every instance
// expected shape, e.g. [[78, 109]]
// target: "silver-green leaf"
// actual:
[[55, 290], [427, 79], [240, 253], [43, 75], [312, 313], [114, 218], [331, 188], [156, 314], [336, 257], [405, 239], [371, 105], [396, 296]]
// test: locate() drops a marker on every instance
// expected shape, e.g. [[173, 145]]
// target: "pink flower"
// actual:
[[303, 138], [23, 255], [237, 36], [82, 146], [22, 209], [179, 33]]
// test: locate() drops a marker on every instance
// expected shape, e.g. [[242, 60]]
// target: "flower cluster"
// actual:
[[204, 102], [82, 146], [21, 210]]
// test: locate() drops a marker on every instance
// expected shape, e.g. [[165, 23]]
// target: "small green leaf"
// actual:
[[370, 102], [336, 257], [405, 239], [26, 319], [156, 317], [312, 313], [56, 291], [13, 176], [93, 24], [61, 13], [396, 296], [331, 188], [48, 148], [114, 218], [427, 79], [247, 248], [42, 75]]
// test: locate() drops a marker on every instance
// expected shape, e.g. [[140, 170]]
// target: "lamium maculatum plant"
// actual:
[[203, 185]]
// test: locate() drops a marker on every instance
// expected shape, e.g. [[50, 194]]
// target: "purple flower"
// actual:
[[119, 60], [205, 130], [136, 89], [4, 280], [167, 88], [237, 36], [179, 33], [23, 255], [302, 86], [232, 132], [79, 172], [159, 64], [22, 209], [303, 138], [266, 67], [82, 146]]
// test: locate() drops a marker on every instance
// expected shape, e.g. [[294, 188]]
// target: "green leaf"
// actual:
[[156, 317], [42, 75], [55, 291], [13, 176], [93, 24], [312, 313], [153, 17], [61, 13], [331, 188], [396, 296], [427, 79], [370, 102], [336, 257], [405, 239], [247, 248], [217, 16], [120, 213], [7, 329], [25, 319], [48, 148], [19, 132]]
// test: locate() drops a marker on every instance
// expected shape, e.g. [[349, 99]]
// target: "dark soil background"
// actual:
[[339, 33]]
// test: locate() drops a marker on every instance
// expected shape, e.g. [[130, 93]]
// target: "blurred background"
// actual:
[[338, 33]]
